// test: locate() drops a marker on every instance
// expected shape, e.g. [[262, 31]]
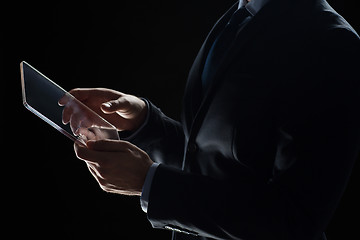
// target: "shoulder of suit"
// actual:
[[320, 18], [328, 18]]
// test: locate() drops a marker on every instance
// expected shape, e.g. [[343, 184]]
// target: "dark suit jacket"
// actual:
[[267, 153]]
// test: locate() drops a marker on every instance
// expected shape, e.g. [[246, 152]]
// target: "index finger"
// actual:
[[80, 94], [65, 99]]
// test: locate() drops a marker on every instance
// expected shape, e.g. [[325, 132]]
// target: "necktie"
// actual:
[[222, 44]]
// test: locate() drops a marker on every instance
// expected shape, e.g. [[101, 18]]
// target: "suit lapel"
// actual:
[[192, 96], [197, 105]]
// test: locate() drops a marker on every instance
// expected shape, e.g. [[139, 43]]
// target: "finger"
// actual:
[[75, 123], [94, 171], [85, 134], [81, 94], [79, 120], [70, 105], [101, 181], [121, 104], [88, 155], [109, 145], [96, 133], [64, 100], [66, 114]]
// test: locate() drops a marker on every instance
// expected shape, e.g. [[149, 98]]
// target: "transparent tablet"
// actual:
[[48, 101]]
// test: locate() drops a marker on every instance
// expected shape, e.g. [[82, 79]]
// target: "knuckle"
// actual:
[[96, 165], [101, 181], [103, 172], [105, 187]]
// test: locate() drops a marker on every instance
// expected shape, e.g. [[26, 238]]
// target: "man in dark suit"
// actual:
[[269, 134]]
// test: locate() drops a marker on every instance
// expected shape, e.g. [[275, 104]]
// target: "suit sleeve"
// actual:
[[161, 137], [318, 143]]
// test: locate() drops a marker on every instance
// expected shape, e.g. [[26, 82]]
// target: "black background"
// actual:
[[140, 47]]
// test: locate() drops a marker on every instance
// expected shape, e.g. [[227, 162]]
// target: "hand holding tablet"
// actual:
[[85, 114], [62, 110]]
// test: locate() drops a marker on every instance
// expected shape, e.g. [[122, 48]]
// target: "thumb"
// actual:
[[112, 106]]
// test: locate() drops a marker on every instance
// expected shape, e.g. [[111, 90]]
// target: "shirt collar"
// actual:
[[253, 6]]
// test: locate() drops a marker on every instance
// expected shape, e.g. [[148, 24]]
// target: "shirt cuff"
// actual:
[[144, 199]]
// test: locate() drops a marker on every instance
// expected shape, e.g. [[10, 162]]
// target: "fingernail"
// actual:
[[107, 104]]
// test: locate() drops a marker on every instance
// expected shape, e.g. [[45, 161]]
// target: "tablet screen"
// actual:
[[41, 96]]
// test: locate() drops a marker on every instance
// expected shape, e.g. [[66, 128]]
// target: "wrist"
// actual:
[[143, 106]]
